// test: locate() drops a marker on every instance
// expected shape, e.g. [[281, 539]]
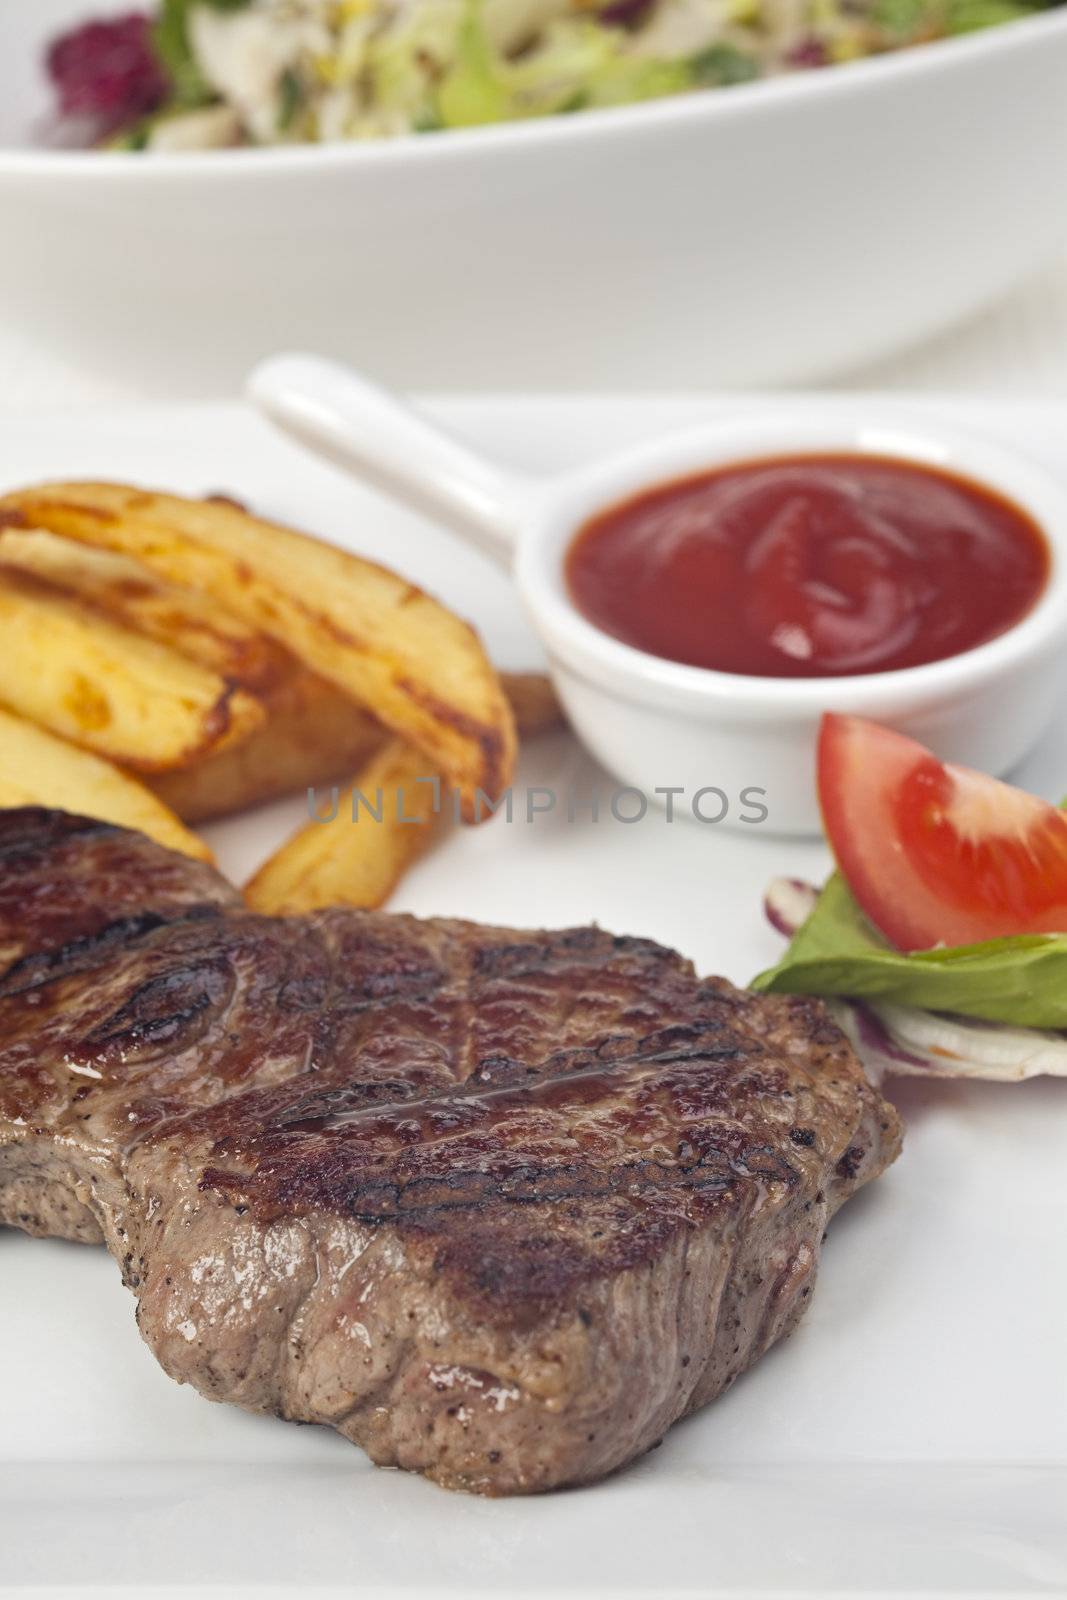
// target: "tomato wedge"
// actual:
[[936, 854]]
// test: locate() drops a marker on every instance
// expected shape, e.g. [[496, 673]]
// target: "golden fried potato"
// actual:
[[420, 669], [359, 856], [533, 702], [113, 691], [38, 769], [194, 624], [313, 734]]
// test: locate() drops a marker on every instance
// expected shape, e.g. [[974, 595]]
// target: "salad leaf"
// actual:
[[622, 81], [901, 17], [576, 65], [969, 16], [401, 67], [134, 138], [170, 36], [1021, 980], [290, 99], [473, 90], [721, 65], [172, 47]]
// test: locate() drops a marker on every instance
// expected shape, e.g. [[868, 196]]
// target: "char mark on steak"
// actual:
[[499, 1206]]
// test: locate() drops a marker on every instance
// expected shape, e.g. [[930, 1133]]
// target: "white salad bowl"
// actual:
[[736, 750], [770, 232]]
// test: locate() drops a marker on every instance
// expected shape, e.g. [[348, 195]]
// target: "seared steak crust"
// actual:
[[499, 1206]]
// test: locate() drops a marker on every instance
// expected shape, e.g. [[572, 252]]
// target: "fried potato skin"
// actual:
[[358, 857], [534, 703], [128, 698], [36, 768], [313, 734], [119, 587], [378, 638]]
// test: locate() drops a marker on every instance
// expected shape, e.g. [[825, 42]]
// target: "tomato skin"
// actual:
[[936, 854]]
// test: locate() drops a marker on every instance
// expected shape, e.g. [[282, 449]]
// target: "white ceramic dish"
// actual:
[[774, 232], [714, 745], [910, 1439]]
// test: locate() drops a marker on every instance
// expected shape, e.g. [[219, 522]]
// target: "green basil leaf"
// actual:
[[1021, 980]]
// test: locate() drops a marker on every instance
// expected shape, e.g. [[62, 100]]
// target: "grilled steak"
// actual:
[[499, 1206]]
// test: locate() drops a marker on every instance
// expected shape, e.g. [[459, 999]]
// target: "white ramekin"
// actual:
[[658, 725]]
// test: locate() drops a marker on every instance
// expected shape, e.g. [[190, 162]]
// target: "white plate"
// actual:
[[911, 1438]]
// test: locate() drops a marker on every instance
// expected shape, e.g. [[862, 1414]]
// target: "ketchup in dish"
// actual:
[[809, 566]]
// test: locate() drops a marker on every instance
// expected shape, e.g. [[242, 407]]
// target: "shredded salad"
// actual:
[[200, 74]]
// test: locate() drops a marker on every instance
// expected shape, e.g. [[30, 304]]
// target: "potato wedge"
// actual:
[[420, 669], [38, 769], [534, 703], [359, 856], [192, 623], [110, 690], [313, 734]]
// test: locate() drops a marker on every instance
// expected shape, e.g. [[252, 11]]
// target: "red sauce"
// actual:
[[809, 566]]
